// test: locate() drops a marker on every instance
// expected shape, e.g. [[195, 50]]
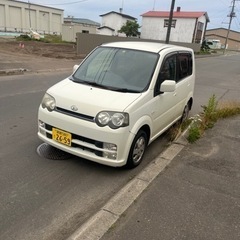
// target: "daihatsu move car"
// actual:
[[118, 100]]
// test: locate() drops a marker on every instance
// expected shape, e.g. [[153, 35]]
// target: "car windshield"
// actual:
[[117, 69]]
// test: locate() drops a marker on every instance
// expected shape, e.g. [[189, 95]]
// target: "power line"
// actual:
[[224, 3], [66, 3], [69, 3]]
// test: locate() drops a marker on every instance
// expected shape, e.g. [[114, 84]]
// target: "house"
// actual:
[[106, 31], [73, 25], [19, 17], [220, 34], [187, 27], [112, 23]]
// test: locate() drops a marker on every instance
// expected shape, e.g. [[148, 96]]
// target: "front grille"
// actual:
[[74, 114]]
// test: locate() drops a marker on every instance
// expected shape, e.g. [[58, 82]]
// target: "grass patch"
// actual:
[[195, 131], [228, 109], [52, 38], [48, 38], [211, 113], [23, 38]]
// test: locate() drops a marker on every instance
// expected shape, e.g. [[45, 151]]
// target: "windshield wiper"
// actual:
[[71, 78], [93, 84], [124, 90]]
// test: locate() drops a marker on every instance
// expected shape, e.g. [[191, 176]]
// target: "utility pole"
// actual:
[[231, 15], [170, 22]]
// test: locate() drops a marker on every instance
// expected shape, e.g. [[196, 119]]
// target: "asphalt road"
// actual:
[[47, 199], [42, 198], [197, 195], [219, 76]]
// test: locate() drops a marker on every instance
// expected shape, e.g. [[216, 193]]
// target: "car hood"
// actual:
[[89, 100]]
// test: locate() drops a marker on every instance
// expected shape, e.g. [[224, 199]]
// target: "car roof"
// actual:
[[145, 46]]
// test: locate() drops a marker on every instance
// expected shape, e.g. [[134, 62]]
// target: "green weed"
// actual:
[[196, 129], [211, 113]]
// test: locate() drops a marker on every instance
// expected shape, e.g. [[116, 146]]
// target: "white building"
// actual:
[[187, 27], [72, 25], [112, 23], [17, 16]]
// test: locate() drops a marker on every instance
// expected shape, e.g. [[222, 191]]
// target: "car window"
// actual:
[[185, 65], [118, 68], [169, 69]]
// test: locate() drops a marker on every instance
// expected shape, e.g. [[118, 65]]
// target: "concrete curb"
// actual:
[[53, 70], [19, 71], [105, 218], [13, 71]]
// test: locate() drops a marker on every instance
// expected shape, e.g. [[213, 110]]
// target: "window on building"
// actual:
[[199, 32], [166, 22], [200, 26]]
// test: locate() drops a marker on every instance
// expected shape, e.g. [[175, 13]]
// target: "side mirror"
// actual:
[[75, 67], [168, 86]]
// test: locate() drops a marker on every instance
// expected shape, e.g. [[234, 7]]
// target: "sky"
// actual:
[[218, 10]]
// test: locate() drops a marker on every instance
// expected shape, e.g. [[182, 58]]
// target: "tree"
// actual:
[[205, 47], [130, 29]]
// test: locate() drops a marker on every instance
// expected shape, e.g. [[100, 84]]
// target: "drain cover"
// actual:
[[47, 151]]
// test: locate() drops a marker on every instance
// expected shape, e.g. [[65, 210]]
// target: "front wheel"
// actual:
[[137, 150]]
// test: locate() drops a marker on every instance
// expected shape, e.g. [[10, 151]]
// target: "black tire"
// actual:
[[137, 150], [185, 113]]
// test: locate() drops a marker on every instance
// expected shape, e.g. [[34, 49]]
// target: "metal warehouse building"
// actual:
[[17, 16]]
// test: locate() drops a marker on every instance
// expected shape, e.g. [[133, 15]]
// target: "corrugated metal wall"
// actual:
[[16, 16]]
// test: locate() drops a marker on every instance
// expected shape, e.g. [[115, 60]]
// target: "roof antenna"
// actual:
[[154, 5], [122, 6]]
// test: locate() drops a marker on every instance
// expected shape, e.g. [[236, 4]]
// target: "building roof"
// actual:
[[105, 27], [81, 21], [224, 29], [176, 14], [121, 14]]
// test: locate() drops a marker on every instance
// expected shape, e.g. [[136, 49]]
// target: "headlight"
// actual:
[[103, 118], [48, 102], [112, 119]]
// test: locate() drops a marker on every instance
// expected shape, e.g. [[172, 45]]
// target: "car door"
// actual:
[[165, 102], [183, 80]]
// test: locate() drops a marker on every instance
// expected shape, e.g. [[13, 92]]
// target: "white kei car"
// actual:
[[120, 98]]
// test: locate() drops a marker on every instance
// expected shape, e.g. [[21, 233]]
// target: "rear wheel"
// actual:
[[137, 149], [185, 113]]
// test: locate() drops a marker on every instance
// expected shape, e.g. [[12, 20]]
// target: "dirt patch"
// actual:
[[37, 48]]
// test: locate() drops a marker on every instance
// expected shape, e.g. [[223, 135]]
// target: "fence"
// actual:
[[87, 42]]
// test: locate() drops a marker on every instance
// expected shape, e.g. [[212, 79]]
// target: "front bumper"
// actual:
[[88, 140]]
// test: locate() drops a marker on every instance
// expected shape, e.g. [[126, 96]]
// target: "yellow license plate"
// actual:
[[62, 136]]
